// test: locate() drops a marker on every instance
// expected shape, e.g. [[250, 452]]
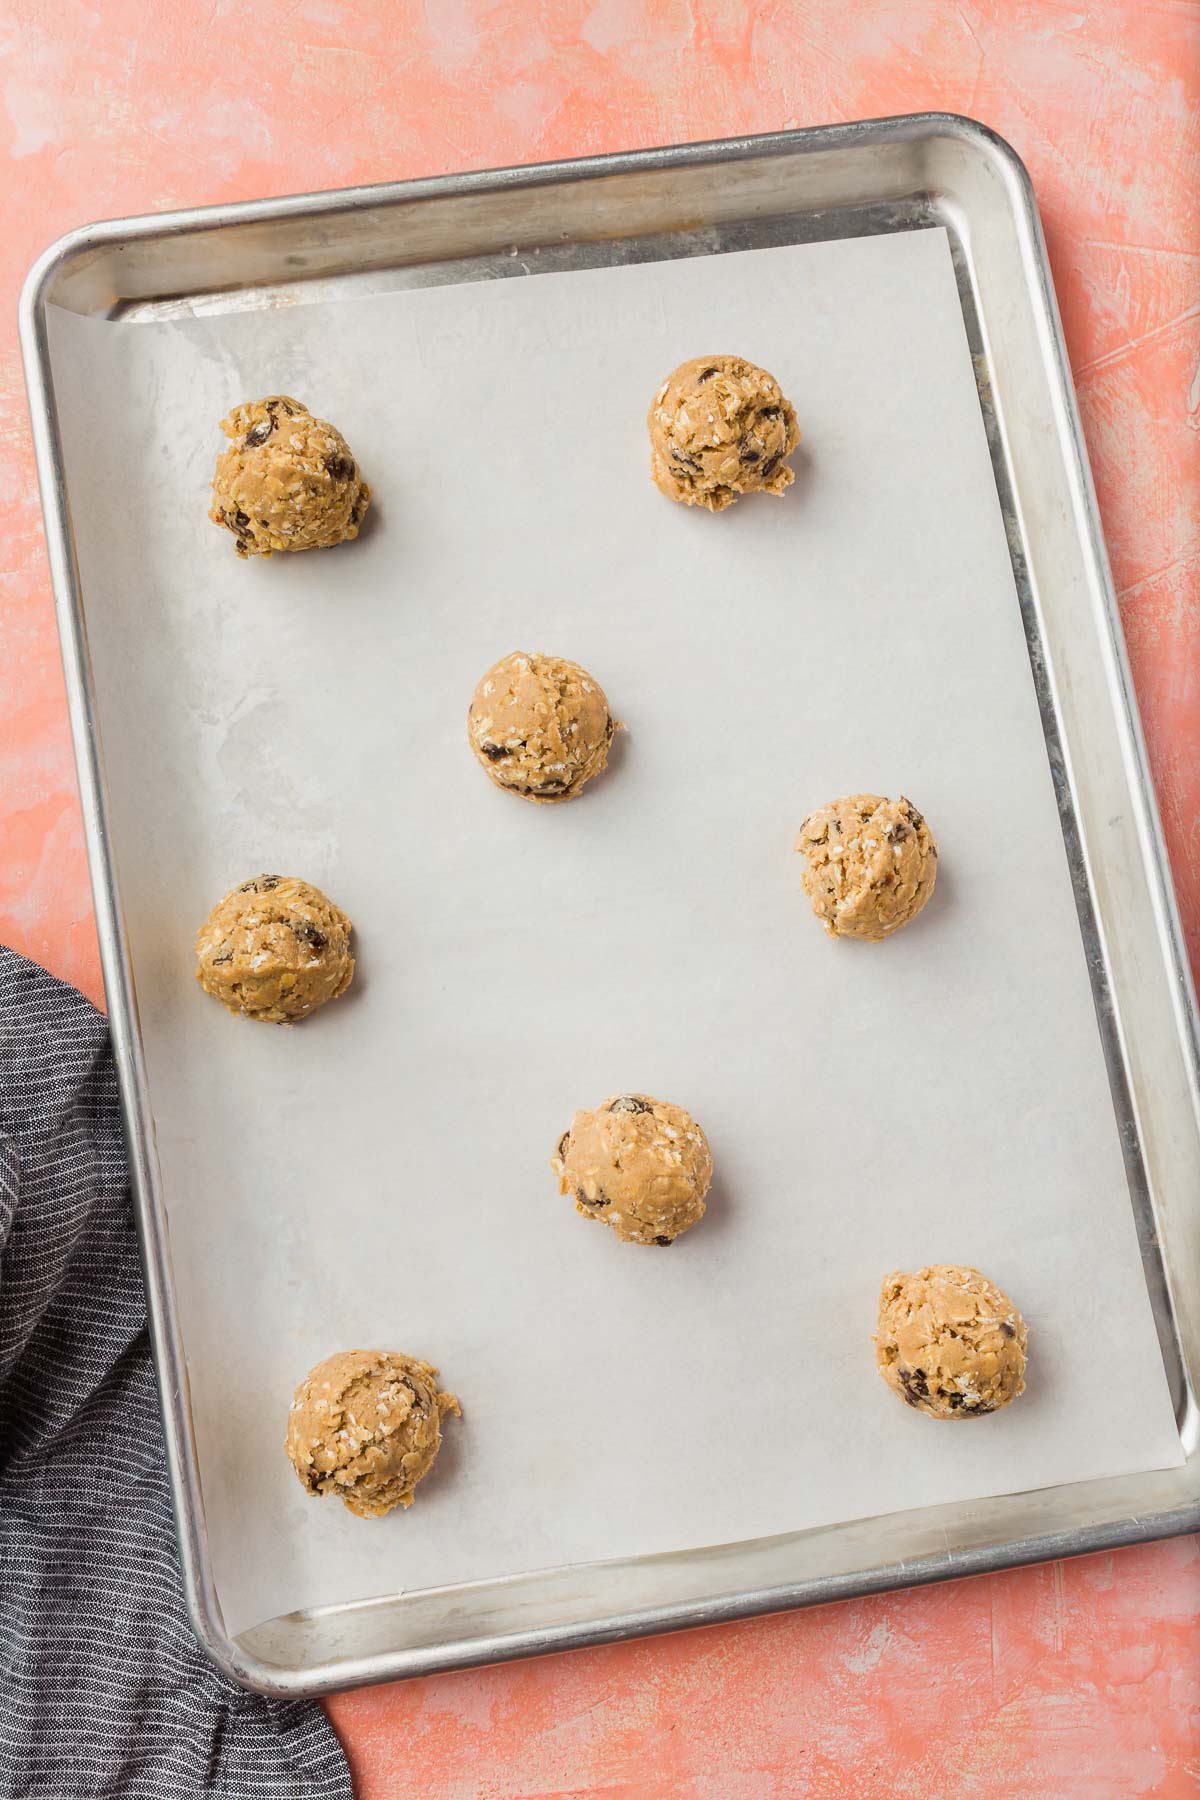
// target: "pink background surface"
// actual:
[[1074, 1681]]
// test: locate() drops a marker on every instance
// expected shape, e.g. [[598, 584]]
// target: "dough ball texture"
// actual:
[[640, 1165], [540, 726], [869, 864], [274, 949], [287, 480], [719, 427], [950, 1342], [366, 1425]]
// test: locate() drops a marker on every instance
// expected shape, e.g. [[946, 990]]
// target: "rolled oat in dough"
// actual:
[[287, 480], [275, 949], [950, 1342], [870, 864], [638, 1165], [540, 726], [719, 427], [366, 1425]]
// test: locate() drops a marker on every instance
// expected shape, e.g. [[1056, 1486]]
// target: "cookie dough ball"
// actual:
[[287, 480], [720, 427], [366, 1425], [540, 726], [274, 949], [637, 1164], [950, 1342], [870, 864]]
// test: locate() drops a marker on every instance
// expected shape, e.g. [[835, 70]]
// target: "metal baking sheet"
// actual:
[[234, 734]]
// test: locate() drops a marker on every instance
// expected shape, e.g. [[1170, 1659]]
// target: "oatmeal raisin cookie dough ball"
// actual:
[[950, 1342], [870, 864], [275, 949], [639, 1165], [540, 726], [720, 427], [366, 1425], [287, 480]]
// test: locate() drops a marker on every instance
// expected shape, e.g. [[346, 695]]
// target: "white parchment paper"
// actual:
[[380, 1175]]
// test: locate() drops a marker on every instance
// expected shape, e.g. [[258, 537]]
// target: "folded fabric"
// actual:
[[104, 1691]]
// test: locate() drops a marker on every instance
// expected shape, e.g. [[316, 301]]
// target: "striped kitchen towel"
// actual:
[[103, 1689]]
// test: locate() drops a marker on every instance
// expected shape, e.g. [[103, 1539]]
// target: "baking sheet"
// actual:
[[380, 1175]]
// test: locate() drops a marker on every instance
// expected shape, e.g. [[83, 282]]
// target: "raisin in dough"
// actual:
[[719, 427], [540, 726], [274, 949], [287, 480], [870, 864], [637, 1164], [950, 1342], [366, 1425]]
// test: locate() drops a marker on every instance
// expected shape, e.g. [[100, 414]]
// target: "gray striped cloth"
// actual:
[[103, 1689]]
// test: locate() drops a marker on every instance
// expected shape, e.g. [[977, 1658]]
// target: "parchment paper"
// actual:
[[380, 1175]]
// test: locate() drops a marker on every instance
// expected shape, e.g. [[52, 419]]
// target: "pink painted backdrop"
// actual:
[[1078, 1681]]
